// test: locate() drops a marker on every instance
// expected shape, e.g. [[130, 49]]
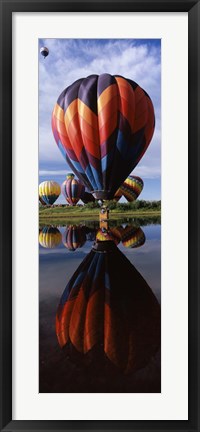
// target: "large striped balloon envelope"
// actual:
[[108, 305], [72, 189], [132, 188], [103, 125], [49, 191]]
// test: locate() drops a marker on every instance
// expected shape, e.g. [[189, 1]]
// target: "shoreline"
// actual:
[[56, 216]]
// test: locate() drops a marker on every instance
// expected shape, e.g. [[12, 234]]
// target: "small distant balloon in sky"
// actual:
[[44, 51]]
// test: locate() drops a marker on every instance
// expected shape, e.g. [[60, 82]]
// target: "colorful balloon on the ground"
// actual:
[[44, 51], [133, 237], [42, 201], [103, 126], [49, 191], [72, 189], [50, 237], [118, 195], [107, 304], [74, 237], [87, 197], [132, 188]]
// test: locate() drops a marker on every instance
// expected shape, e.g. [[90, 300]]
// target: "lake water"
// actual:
[[108, 322]]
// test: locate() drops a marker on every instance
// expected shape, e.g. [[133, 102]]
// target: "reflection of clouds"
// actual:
[[149, 247], [147, 260], [58, 265], [55, 272], [62, 250]]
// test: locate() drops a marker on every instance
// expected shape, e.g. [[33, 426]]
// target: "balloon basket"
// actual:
[[104, 217], [104, 213]]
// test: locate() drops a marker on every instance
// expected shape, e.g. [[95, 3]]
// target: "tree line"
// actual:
[[126, 206]]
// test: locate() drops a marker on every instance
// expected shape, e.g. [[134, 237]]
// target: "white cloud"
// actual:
[[48, 150], [150, 172], [52, 172]]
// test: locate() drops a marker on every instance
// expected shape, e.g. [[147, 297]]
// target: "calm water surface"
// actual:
[[115, 346]]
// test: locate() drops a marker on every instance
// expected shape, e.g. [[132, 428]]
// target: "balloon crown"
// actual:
[[70, 175]]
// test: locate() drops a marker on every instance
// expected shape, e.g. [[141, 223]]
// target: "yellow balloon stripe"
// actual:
[[49, 188]]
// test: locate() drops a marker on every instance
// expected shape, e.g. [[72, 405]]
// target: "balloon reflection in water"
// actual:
[[108, 234], [133, 237], [108, 304], [74, 237], [50, 237]]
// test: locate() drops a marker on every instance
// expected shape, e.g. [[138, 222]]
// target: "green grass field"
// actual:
[[57, 215]]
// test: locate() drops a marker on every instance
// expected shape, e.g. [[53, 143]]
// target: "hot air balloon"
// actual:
[[87, 197], [49, 191], [107, 304], [133, 237], [44, 51], [50, 237], [118, 195], [74, 237], [103, 126], [72, 189], [132, 188], [42, 201]]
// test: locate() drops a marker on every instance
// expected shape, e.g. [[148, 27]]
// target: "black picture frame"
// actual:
[[7, 8]]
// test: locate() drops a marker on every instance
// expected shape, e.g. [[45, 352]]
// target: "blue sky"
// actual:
[[71, 59]]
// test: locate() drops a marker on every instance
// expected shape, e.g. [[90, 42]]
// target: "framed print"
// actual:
[[99, 151]]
